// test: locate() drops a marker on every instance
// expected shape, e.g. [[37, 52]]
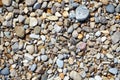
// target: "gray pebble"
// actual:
[[98, 33], [57, 28], [82, 13], [7, 34], [5, 71], [72, 14], [70, 29], [59, 63], [30, 2], [15, 47], [113, 70], [110, 8], [117, 9], [60, 56], [44, 77], [44, 5], [33, 67], [97, 20], [115, 37], [21, 18], [118, 49], [75, 34], [36, 6], [44, 57]]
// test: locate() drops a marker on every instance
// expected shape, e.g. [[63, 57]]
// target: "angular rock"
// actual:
[[82, 13]]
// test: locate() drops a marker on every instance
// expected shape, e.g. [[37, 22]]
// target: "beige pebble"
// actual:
[[52, 18], [30, 48]]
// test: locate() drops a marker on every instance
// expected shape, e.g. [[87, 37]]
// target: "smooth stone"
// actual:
[[97, 77], [57, 28], [30, 2], [97, 20], [70, 29], [103, 38], [75, 75], [30, 49], [15, 47], [66, 78], [75, 34], [44, 57], [104, 1], [98, 33], [72, 14], [60, 56], [9, 16], [36, 6], [5, 71], [43, 37], [59, 63], [7, 2], [7, 34], [82, 13], [21, 18], [118, 49], [33, 21], [81, 45], [37, 30], [117, 9], [44, 76], [113, 70], [110, 8], [52, 18], [34, 36], [115, 37], [44, 5], [103, 20], [109, 55], [20, 32], [58, 14], [28, 56], [33, 67]]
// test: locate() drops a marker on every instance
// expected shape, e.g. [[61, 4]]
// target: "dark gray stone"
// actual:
[[82, 13]]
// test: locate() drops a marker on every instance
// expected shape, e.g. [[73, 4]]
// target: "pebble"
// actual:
[[115, 37], [58, 14], [28, 56], [30, 49], [72, 14], [7, 34], [34, 36], [61, 75], [20, 31], [81, 45], [9, 16], [70, 29], [97, 77], [37, 30], [44, 57], [104, 1], [109, 55], [7, 2], [5, 71], [103, 38], [110, 8], [52, 18], [36, 6], [117, 9], [43, 37], [30, 2], [44, 5], [21, 18], [65, 14], [75, 34], [15, 47], [57, 28], [59, 63], [75, 75], [82, 13], [66, 78], [98, 33], [44, 77], [33, 67], [113, 70], [33, 21]]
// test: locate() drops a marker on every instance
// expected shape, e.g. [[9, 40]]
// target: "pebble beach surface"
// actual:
[[59, 40]]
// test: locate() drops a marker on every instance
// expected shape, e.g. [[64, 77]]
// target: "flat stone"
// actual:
[[5, 71], [20, 31], [30, 2], [59, 63], [82, 13], [7, 2], [30, 48], [34, 36], [103, 38], [75, 75], [36, 6], [113, 70], [52, 18], [44, 57], [115, 37], [33, 67], [33, 21], [110, 8], [15, 47]]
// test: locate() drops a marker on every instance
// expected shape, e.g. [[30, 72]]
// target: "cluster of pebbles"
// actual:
[[60, 40]]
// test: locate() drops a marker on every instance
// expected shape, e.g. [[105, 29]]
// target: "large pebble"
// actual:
[[59, 63], [110, 8], [7, 2], [37, 30], [30, 48], [115, 37], [20, 31], [44, 57], [75, 75], [82, 13], [5, 71], [30, 2], [113, 70], [33, 21]]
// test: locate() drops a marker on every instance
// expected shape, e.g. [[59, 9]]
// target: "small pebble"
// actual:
[[44, 57], [59, 63], [30, 48], [75, 34], [33, 67], [36, 6], [34, 36], [30, 2], [20, 31], [110, 8], [33, 21]]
